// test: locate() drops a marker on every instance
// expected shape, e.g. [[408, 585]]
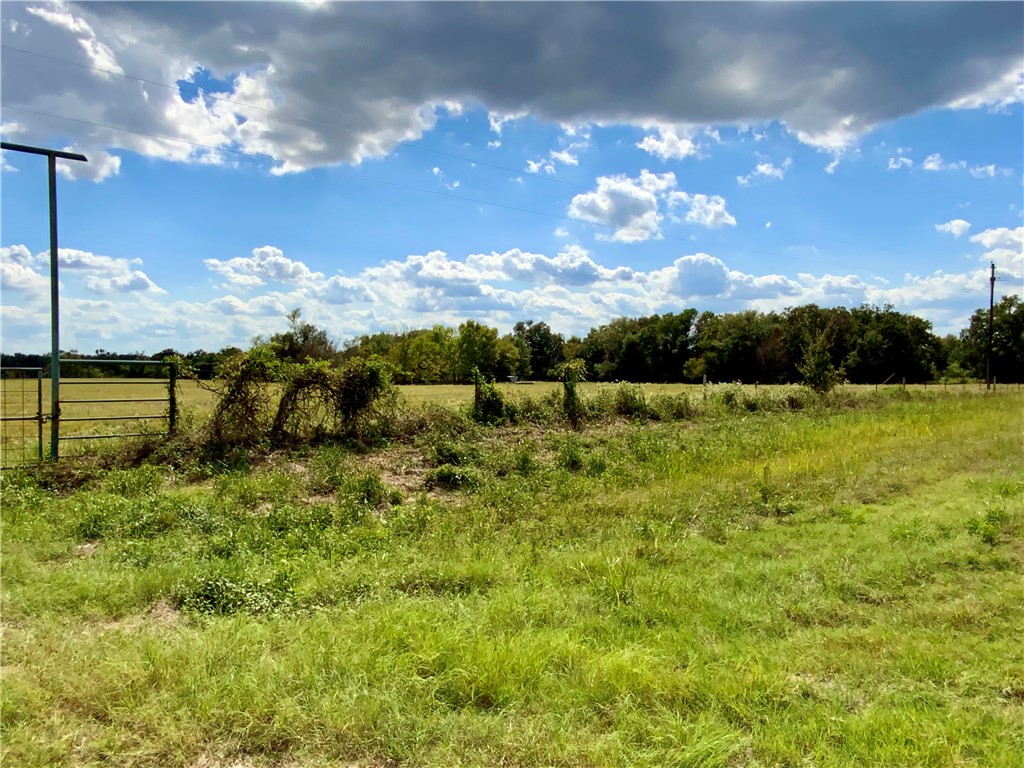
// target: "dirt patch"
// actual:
[[403, 468], [164, 613], [86, 550], [317, 498]]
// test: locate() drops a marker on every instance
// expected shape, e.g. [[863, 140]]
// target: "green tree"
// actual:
[[816, 367], [1007, 341], [477, 348], [302, 341], [544, 345]]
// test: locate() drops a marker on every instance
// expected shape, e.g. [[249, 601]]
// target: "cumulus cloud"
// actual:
[[100, 166], [706, 211], [266, 263], [289, 78], [955, 227], [766, 170], [268, 306], [573, 266], [133, 282], [670, 143], [895, 163], [26, 272], [629, 206], [1005, 248]]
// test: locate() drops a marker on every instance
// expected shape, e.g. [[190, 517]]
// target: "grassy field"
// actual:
[[826, 587]]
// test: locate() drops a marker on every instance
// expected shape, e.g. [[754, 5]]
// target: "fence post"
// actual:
[[172, 398], [39, 410]]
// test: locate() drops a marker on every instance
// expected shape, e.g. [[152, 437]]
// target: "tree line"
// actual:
[[862, 345]]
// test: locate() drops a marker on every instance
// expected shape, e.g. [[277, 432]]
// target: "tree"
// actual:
[[477, 348], [1007, 341], [302, 341], [544, 345], [816, 367]]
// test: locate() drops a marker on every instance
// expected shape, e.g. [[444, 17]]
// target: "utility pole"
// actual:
[[51, 156], [988, 350]]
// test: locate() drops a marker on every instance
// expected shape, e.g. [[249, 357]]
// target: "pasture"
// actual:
[[833, 586]]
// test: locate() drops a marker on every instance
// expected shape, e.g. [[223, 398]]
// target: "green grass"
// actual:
[[828, 587]]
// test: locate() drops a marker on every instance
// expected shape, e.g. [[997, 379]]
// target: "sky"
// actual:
[[390, 166]]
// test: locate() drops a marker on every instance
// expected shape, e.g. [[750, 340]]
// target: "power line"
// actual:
[[398, 185]]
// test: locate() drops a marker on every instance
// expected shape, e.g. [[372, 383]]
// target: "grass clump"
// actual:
[[453, 478]]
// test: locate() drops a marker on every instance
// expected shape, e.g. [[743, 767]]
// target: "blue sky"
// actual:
[[389, 166]]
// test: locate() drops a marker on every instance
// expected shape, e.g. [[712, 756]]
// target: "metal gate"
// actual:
[[121, 399], [21, 416], [101, 400]]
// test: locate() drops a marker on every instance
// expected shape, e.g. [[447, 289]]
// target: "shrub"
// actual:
[[572, 372], [320, 401], [630, 401], [489, 407]]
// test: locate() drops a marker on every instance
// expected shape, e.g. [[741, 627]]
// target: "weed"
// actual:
[[571, 454], [989, 526], [223, 595], [453, 478], [630, 401]]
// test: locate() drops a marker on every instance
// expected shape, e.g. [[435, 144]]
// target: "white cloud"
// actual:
[[766, 170], [101, 165], [133, 282], [998, 94], [561, 232], [895, 163], [573, 266], [955, 227], [266, 263], [936, 163], [671, 143], [630, 206], [564, 156], [707, 211], [1005, 249], [268, 306], [535, 166], [989, 171], [18, 276], [571, 290]]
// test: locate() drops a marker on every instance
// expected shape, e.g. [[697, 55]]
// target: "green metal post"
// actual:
[[54, 315], [39, 410], [172, 404]]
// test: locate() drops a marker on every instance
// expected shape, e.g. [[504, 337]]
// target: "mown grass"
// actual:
[[829, 587]]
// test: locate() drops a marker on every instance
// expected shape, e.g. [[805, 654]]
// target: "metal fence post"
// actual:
[[39, 411], [172, 398]]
